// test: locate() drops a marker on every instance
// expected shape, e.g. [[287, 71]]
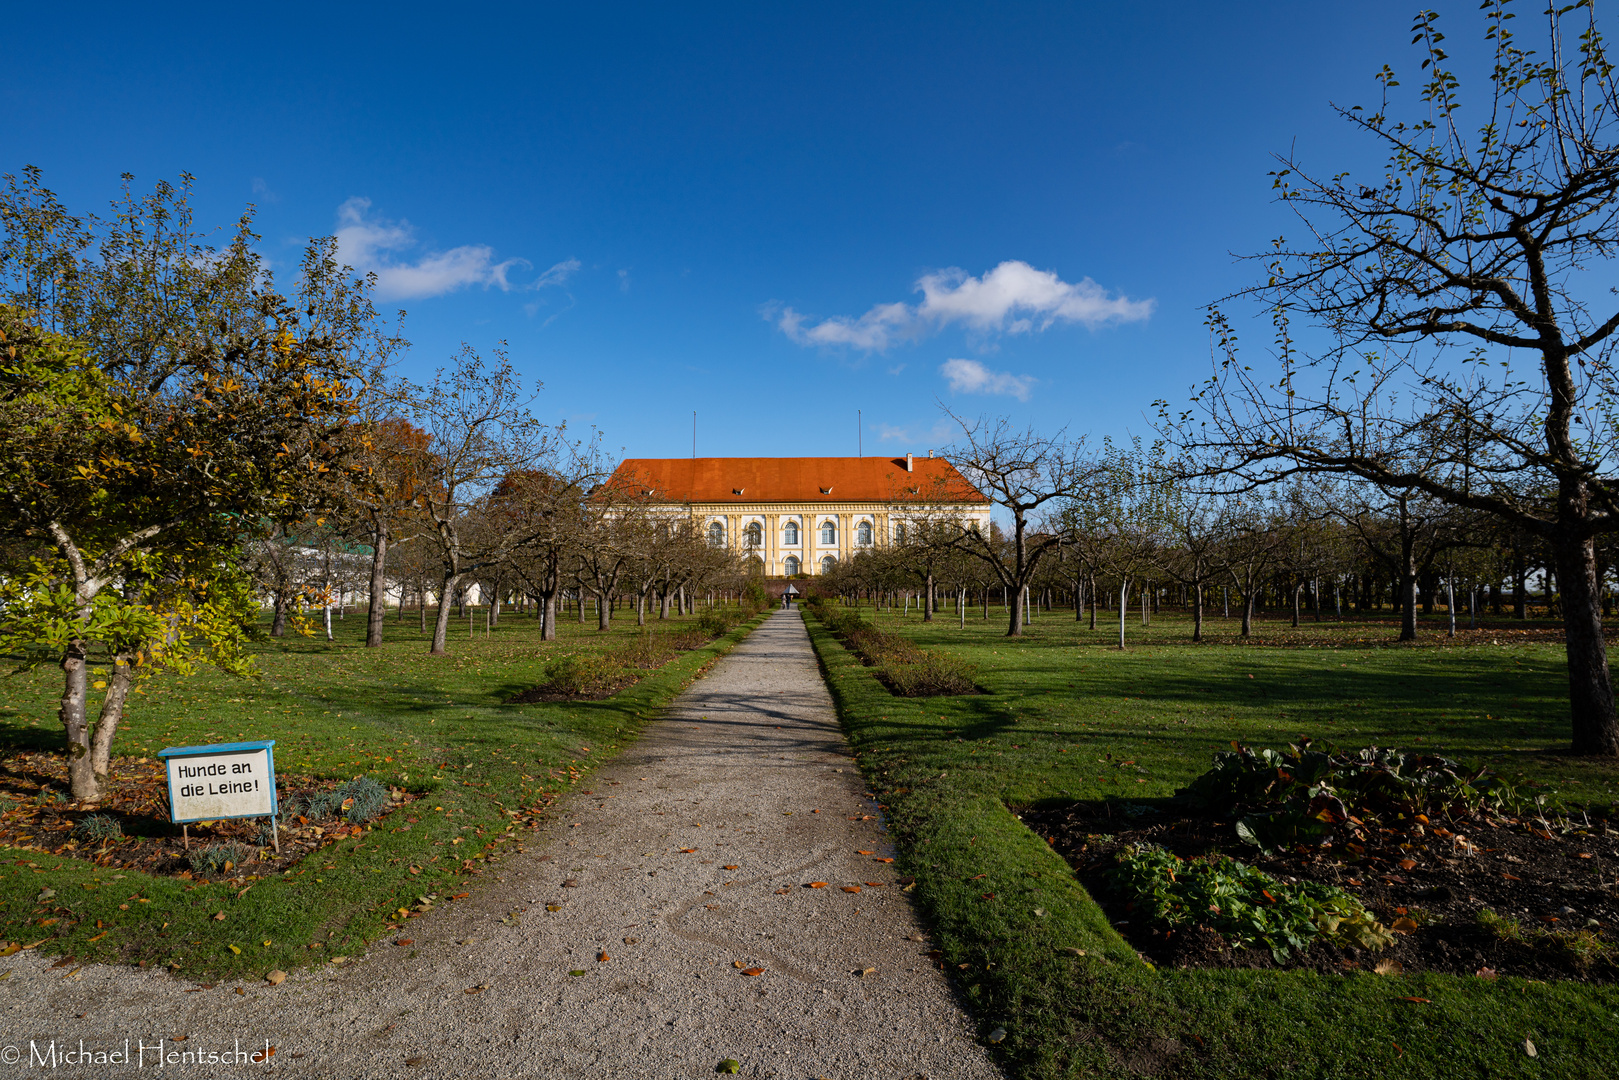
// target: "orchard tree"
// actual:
[[480, 431], [155, 394], [1485, 239], [1022, 472]]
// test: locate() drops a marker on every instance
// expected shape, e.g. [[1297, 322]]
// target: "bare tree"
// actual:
[[1022, 472], [1485, 237], [476, 416]]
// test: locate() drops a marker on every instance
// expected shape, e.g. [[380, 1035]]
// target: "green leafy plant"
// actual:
[[95, 828], [1242, 904], [219, 858], [1303, 795], [906, 668]]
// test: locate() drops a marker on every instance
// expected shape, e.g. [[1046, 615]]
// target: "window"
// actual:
[[828, 564], [753, 536], [790, 534], [790, 567], [899, 531], [829, 532], [716, 535], [862, 533]]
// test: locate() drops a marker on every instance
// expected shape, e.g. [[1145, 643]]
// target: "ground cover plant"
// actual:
[[593, 673], [1069, 721], [481, 772]]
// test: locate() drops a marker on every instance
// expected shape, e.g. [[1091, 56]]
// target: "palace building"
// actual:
[[803, 515]]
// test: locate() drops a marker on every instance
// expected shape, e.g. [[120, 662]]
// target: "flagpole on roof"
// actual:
[[694, 434], [859, 435]]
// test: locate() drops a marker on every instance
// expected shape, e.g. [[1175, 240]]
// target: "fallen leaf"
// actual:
[[817, 885], [1486, 973], [240, 991], [480, 988], [1417, 1000], [1000, 1033], [571, 883], [402, 942], [553, 907], [632, 941], [276, 977], [236, 949], [1529, 1048], [687, 850], [1407, 864], [219, 917], [783, 892], [850, 888], [863, 972], [576, 973], [602, 958], [883, 860], [753, 971], [729, 1065], [1388, 967], [101, 935], [265, 1055], [730, 868], [865, 853], [873, 884], [1404, 925]]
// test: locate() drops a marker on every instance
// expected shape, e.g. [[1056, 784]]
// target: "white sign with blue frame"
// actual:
[[225, 780]]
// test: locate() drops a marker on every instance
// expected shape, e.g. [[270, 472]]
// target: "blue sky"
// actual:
[[774, 215]]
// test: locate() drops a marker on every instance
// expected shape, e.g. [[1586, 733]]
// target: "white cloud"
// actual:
[[971, 377], [937, 435], [374, 245], [1013, 298]]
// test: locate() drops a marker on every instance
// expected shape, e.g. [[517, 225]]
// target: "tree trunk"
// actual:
[[112, 711], [604, 613], [1596, 728], [441, 624], [1296, 590], [1408, 605], [1014, 611], [1124, 602], [379, 586], [548, 617], [927, 603], [278, 622], [1094, 598], [1197, 612], [75, 721]]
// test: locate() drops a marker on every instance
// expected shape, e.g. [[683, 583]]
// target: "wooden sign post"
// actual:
[[226, 780]]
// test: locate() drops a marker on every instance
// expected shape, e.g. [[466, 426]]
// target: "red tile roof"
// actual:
[[798, 480]]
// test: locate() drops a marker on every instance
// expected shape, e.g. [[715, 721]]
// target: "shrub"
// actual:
[[930, 676], [715, 621], [1301, 796], [579, 673], [905, 668], [98, 827], [1242, 904], [219, 858]]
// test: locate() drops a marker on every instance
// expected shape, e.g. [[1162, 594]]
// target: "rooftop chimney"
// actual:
[[930, 453], [907, 463]]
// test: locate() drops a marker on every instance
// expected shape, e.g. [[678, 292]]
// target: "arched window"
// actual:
[[900, 532], [790, 534], [716, 534], [862, 533], [753, 536], [829, 532], [828, 564], [790, 567]]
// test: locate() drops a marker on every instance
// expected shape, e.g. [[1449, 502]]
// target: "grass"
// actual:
[[437, 726], [1068, 716]]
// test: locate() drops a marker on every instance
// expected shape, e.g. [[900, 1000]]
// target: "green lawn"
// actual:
[[437, 726], [1068, 717]]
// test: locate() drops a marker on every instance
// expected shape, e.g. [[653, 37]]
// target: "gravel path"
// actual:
[[750, 772]]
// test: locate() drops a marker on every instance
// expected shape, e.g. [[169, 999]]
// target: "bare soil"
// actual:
[[1556, 891], [37, 814]]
